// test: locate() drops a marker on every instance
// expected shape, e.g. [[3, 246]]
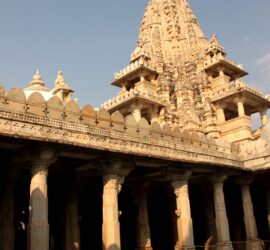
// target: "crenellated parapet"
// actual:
[[67, 123]]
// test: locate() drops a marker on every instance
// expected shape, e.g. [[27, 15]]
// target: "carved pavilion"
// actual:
[[171, 162]]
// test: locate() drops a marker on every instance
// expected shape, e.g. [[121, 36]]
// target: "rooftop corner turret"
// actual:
[[61, 89]]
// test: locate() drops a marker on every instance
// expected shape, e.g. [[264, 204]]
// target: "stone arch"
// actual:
[[72, 111], [131, 124], [36, 104], [16, 100], [118, 121], [55, 108], [103, 118], [88, 115]]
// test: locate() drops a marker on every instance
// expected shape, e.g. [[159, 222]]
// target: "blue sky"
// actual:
[[90, 40]]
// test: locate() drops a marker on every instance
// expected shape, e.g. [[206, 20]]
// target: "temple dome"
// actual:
[[38, 85]]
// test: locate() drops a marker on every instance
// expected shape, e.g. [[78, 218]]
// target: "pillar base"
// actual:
[[254, 244], [226, 245], [178, 247]]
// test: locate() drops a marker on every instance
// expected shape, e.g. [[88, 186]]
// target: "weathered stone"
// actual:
[[36, 104], [55, 108], [89, 115], [72, 112]]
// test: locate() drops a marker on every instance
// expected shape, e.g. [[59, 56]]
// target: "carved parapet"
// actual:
[[128, 95], [89, 115], [103, 118]]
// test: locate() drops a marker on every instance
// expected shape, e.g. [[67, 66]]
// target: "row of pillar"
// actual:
[[113, 178], [241, 112]]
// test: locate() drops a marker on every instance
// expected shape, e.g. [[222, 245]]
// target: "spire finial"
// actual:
[[37, 79]]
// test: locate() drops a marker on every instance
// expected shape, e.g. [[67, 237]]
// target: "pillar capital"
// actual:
[[41, 160], [113, 181], [244, 181], [218, 178], [117, 166]]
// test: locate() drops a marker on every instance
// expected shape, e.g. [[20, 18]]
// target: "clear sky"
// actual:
[[90, 40]]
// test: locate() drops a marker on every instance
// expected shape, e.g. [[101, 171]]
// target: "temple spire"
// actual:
[[170, 31]]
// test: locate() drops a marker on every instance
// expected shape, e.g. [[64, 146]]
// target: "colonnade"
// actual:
[[114, 173]]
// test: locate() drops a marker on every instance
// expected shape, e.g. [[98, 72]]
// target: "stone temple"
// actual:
[[171, 162]]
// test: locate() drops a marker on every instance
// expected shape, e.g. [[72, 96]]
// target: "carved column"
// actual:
[[143, 228], [220, 115], [249, 218], [113, 177], [241, 108], [184, 220], [209, 215], [72, 218], [111, 227], [38, 228], [6, 215], [222, 225], [263, 115]]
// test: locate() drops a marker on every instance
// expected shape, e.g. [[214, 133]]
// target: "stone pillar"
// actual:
[[6, 216], [241, 108], [249, 218], [38, 228], [72, 218], [137, 114], [143, 228], [184, 220], [111, 227], [222, 225], [209, 215], [263, 117], [220, 115]]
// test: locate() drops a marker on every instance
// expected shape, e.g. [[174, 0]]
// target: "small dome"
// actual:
[[38, 85]]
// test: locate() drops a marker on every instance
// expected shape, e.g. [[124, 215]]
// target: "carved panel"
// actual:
[[88, 115], [118, 121], [16, 100], [103, 118], [72, 112], [131, 124], [36, 104], [55, 108], [144, 127]]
